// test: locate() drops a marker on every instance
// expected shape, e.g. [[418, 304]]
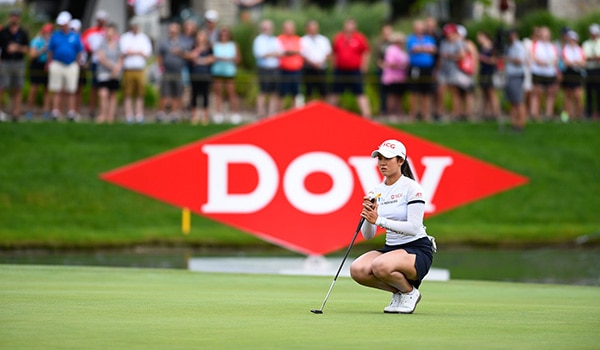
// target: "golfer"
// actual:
[[398, 267]]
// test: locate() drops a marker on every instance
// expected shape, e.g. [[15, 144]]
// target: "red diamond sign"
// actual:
[[297, 179]]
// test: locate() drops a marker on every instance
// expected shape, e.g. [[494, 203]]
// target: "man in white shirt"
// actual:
[[591, 49], [136, 49], [316, 51]]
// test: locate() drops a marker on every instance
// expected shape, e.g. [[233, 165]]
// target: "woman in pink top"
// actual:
[[393, 77]]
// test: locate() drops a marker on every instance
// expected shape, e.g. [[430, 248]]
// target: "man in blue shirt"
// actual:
[[64, 51], [421, 50]]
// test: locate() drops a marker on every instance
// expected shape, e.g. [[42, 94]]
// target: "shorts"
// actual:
[[134, 83], [543, 80], [572, 78], [12, 74], [514, 89], [315, 81], [37, 73], [171, 85], [111, 85], [268, 80], [421, 80], [423, 249], [395, 88], [348, 80], [290, 82], [63, 77]]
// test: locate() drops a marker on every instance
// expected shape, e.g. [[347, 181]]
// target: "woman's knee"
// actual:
[[359, 270], [381, 269]]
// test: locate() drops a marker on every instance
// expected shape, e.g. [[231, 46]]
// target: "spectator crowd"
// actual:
[[432, 74]]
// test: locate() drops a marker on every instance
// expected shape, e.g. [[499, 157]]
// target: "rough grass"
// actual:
[[50, 194], [109, 308]]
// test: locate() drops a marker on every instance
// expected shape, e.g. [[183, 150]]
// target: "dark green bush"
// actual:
[[541, 18]]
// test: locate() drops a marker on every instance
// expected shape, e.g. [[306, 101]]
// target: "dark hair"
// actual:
[[405, 169], [113, 25]]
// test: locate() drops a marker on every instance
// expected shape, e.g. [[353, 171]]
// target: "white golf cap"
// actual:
[[595, 29], [101, 15], [211, 15], [75, 24], [390, 149], [573, 35], [462, 30], [63, 18]]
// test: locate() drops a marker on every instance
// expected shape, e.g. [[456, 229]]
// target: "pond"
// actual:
[[578, 266]]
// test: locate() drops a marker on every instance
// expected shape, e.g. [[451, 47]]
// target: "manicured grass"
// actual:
[[111, 308], [50, 194]]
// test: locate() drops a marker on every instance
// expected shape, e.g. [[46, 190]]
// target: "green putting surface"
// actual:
[[44, 307]]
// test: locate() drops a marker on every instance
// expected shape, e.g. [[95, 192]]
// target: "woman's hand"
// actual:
[[369, 211]]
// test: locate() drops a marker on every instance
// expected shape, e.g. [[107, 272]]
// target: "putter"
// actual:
[[360, 223]]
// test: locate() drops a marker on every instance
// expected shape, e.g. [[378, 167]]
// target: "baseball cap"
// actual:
[[75, 24], [47, 28], [595, 29], [461, 30], [102, 15], [15, 12], [63, 18], [211, 15], [449, 28], [390, 149], [573, 35]]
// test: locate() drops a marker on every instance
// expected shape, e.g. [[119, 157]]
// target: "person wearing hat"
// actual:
[[14, 45], [64, 54], [393, 76], [211, 17], [92, 38], [591, 49], [573, 59], [38, 76], [398, 207]]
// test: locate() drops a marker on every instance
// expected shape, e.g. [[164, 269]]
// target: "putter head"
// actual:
[[315, 311]]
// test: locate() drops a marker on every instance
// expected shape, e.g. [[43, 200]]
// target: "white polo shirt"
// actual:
[[316, 49], [135, 42]]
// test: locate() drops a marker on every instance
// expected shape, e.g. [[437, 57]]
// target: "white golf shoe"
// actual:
[[406, 304], [394, 304]]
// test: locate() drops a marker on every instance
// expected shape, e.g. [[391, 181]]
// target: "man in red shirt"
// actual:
[[351, 61], [290, 63]]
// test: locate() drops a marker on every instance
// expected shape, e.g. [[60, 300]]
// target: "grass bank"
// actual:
[[50, 194], [109, 308]]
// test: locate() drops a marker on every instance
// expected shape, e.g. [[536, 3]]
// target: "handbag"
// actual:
[[467, 64]]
